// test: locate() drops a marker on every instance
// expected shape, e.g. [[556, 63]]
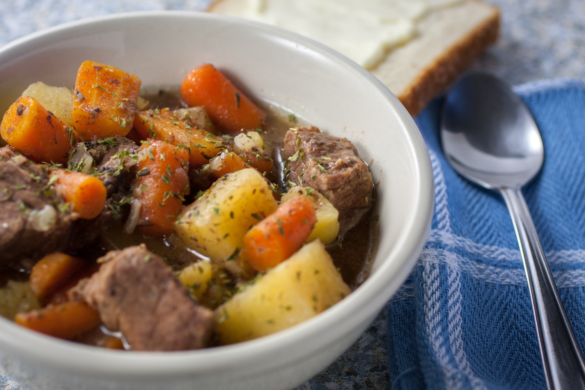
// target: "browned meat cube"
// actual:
[[113, 160], [110, 158], [31, 222], [137, 294], [332, 166]]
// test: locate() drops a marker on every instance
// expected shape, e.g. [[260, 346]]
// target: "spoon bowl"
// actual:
[[490, 137]]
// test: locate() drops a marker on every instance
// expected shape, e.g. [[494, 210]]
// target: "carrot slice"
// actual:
[[30, 128], [104, 100], [258, 161], [278, 236], [227, 163], [65, 321], [86, 194], [161, 183], [112, 342], [61, 293], [162, 125], [51, 272], [226, 105]]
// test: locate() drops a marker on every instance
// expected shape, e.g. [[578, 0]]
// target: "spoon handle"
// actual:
[[563, 362]]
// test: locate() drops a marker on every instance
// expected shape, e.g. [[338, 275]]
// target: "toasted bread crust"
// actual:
[[444, 70], [441, 71]]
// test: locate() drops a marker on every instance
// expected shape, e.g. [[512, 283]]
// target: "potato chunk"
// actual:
[[248, 142], [300, 288], [17, 297], [215, 224], [54, 99], [327, 227], [195, 277]]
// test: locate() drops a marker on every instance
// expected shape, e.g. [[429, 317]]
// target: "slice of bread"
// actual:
[[446, 43]]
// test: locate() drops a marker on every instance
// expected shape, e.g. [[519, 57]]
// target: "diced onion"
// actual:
[[246, 142], [87, 164], [216, 163], [142, 104], [81, 160], [42, 220], [133, 218]]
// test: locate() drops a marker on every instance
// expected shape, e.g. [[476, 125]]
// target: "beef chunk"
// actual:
[[332, 166], [113, 161], [138, 295], [32, 224], [200, 178]]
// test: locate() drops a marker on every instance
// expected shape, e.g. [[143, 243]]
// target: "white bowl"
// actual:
[[315, 83]]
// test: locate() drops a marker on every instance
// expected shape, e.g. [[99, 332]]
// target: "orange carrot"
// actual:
[[65, 321], [61, 293], [162, 125], [104, 101], [278, 236], [227, 163], [258, 161], [52, 271], [85, 193], [226, 105], [31, 129], [112, 342], [161, 183]]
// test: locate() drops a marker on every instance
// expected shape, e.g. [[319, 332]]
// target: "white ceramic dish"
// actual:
[[315, 83]]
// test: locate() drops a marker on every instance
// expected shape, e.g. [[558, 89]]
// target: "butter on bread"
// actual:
[[446, 41]]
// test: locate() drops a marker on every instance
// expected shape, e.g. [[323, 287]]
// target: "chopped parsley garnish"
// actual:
[[295, 156], [181, 146], [52, 180], [110, 141], [280, 227], [72, 139], [100, 87], [234, 255], [143, 172]]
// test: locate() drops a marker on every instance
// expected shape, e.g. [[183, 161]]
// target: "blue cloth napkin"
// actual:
[[463, 319]]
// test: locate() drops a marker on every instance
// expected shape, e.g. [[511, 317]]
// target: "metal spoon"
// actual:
[[490, 137]]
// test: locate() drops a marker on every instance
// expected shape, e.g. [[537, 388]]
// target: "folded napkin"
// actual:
[[463, 319]]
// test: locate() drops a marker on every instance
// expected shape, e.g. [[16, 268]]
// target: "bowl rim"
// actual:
[[378, 288]]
